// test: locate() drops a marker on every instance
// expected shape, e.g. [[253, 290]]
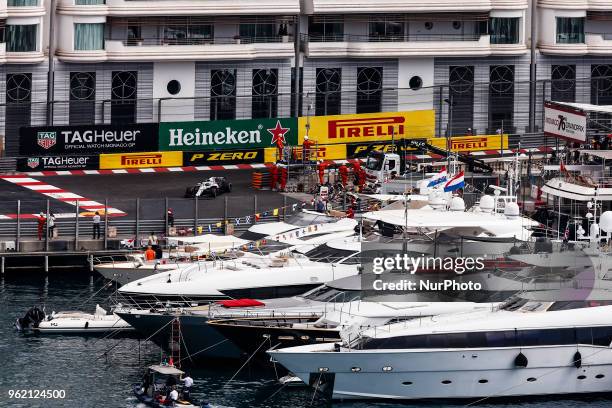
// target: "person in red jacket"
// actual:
[[350, 213], [321, 167], [273, 177], [283, 177], [41, 225], [343, 170], [307, 149], [359, 174]]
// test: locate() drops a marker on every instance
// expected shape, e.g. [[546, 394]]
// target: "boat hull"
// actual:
[[454, 374], [198, 336]]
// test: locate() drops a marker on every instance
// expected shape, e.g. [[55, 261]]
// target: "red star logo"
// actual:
[[278, 133]]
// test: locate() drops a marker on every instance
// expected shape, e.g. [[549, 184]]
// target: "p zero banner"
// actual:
[[368, 127], [564, 122], [458, 144], [223, 157], [227, 134], [324, 152], [472, 143], [57, 163], [59, 140], [141, 160]]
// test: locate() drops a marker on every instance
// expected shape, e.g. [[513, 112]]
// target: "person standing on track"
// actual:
[[96, 225], [41, 225], [51, 222], [170, 217]]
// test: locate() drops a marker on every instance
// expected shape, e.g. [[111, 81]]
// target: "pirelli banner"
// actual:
[[472, 143], [57, 163], [69, 140], [368, 127], [141, 160], [462, 144]]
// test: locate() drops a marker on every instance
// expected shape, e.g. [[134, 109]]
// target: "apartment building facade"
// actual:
[[123, 61]]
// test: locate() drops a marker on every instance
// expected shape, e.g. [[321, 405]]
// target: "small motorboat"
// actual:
[[157, 383], [72, 322]]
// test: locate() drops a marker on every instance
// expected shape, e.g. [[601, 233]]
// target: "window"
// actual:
[[570, 30], [601, 84], [89, 2], [326, 28], [563, 83], [22, 3], [21, 38], [601, 336], [259, 31], [18, 109], [461, 89], [188, 34], [223, 94], [501, 97], [82, 98], [123, 97], [264, 93], [328, 97], [387, 28], [504, 30], [369, 89], [89, 36]]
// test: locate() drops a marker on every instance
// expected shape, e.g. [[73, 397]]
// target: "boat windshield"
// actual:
[[328, 254], [327, 294], [525, 305], [303, 219]]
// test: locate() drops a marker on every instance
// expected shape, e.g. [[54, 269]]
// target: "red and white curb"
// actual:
[[424, 157], [56, 193]]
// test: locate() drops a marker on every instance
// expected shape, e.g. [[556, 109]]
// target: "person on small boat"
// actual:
[[173, 396], [187, 384], [149, 254]]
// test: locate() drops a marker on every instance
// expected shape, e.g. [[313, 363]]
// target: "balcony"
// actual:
[[131, 8], [400, 6], [414, 45], [599, 43], [14, 8], [161, 49]]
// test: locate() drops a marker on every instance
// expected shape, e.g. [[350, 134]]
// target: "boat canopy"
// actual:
[[213, 240], [166, 370]]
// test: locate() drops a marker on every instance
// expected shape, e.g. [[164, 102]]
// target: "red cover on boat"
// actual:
[[241, 303]]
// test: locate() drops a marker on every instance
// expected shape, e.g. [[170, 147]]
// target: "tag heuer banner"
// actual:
[[227, 134], [54, 140], [51, 163]]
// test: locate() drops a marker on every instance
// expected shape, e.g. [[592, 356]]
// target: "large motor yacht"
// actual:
[[538, 343]]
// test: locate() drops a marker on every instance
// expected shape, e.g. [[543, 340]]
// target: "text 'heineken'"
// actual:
[[230, 137]]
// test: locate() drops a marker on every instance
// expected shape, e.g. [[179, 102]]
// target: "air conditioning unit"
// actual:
[[7, 246]]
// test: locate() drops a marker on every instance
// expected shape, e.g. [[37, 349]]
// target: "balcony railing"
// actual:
[[201, 41], [390, 38]]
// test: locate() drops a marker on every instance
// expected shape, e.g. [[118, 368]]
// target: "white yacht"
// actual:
[[302, 230], [539, 343], [278, 274]]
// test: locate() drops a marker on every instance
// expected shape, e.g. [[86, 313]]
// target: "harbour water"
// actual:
[[98, 372]]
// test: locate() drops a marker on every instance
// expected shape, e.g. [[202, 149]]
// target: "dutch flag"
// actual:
[[438, 178], [455, 183]]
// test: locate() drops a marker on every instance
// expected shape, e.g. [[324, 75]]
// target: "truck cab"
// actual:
[[381, 166]]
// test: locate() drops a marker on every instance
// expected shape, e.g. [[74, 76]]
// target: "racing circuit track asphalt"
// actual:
[[121, 190]]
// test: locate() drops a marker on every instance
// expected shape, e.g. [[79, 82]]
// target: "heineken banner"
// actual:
[[227, 134], [58, 140], [46, 163]]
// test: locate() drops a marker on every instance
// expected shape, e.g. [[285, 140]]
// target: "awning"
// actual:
[[586, 107], [599, 15]]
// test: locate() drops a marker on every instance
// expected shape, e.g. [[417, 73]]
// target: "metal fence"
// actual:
[[141, 217]]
